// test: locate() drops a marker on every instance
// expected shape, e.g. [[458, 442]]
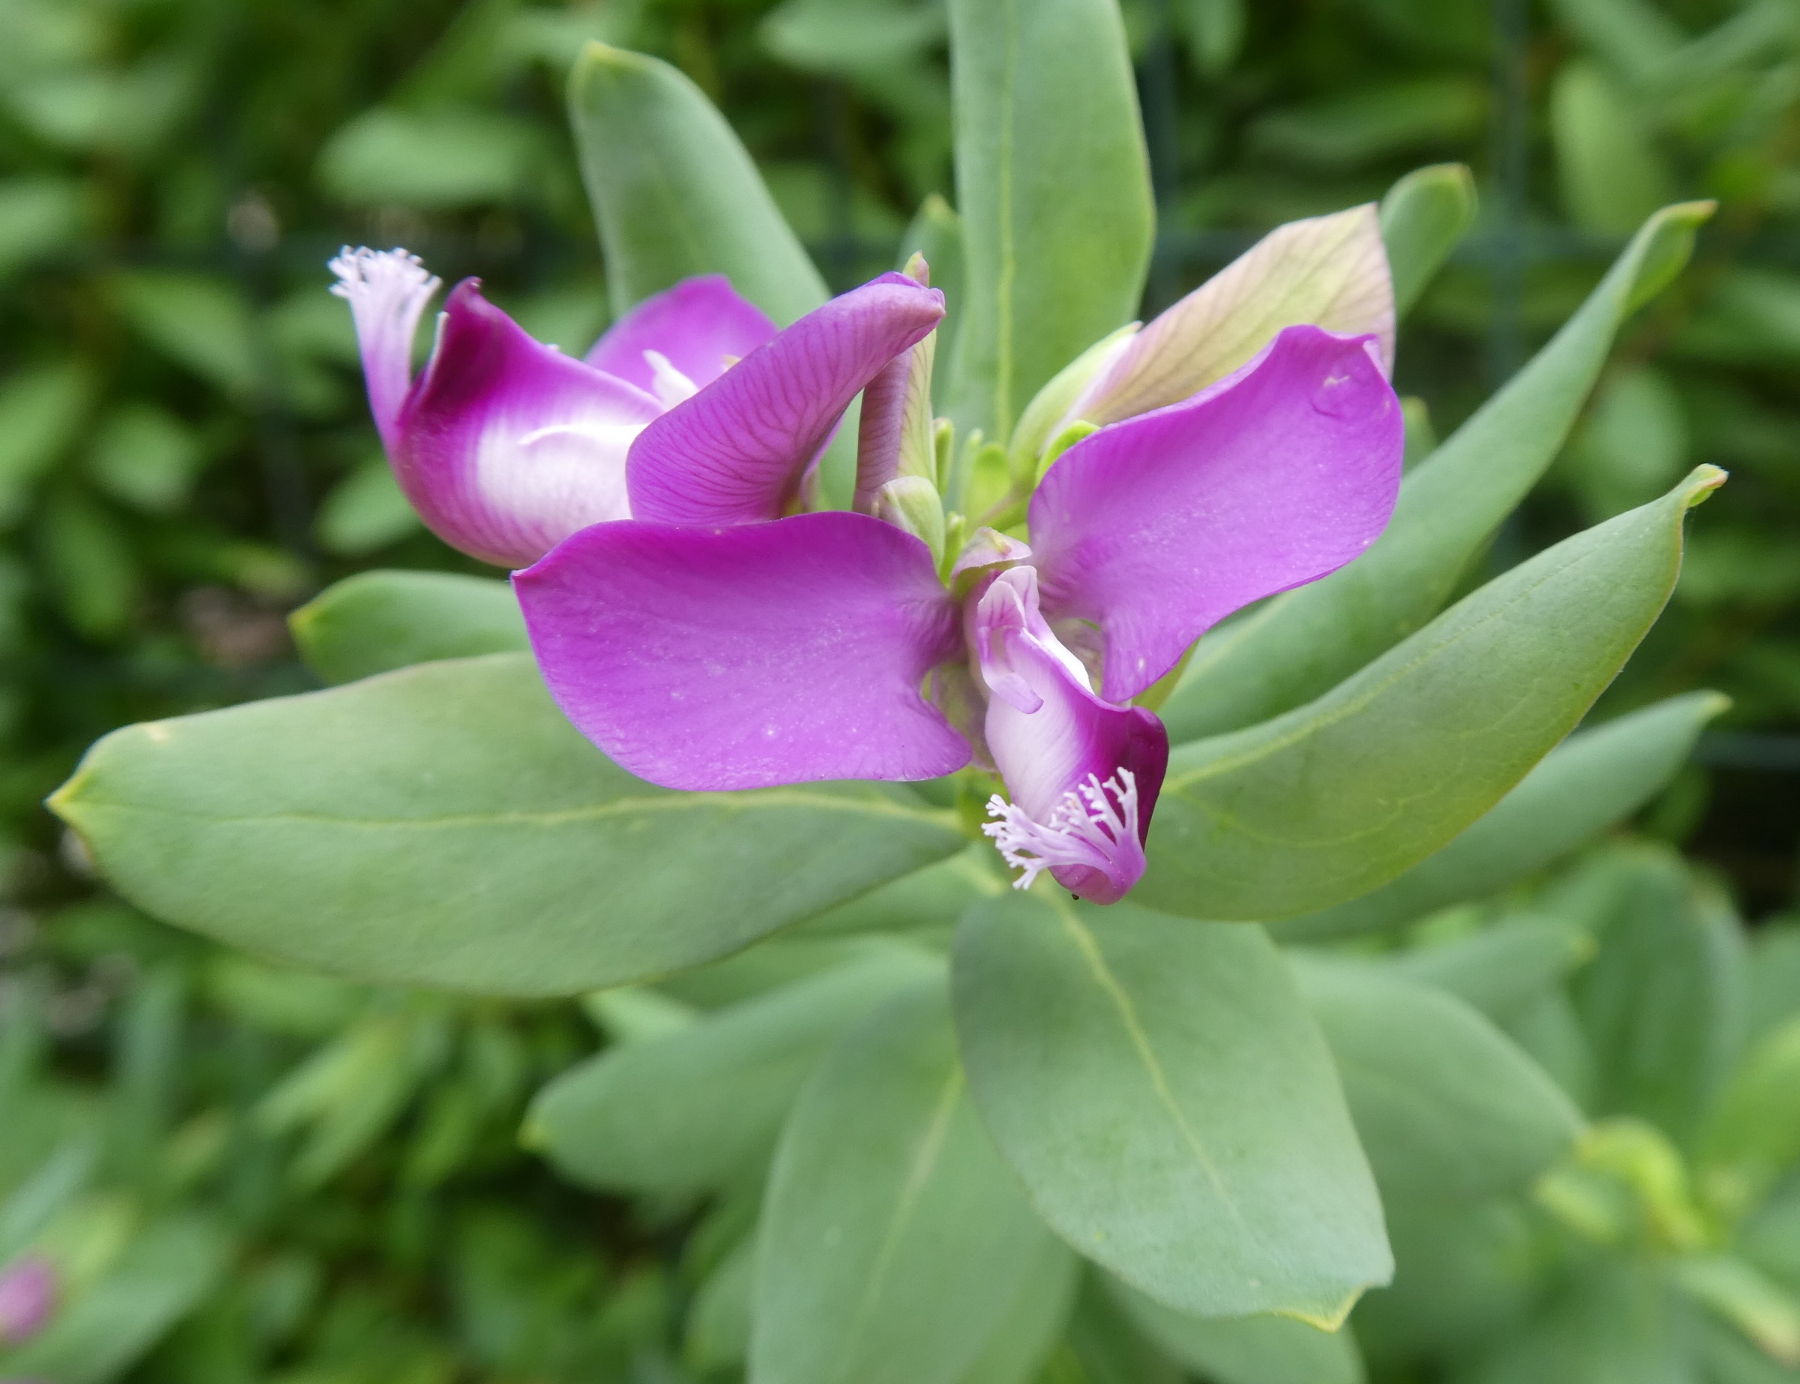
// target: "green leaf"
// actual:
[[1385, 119], [673, 191], [203, 322], [699, 1109], [1593, 780], [1461, 1279], [718, 1325], [1295, 647], [1104, 1346], [1170, 1104], [42, 410], [1053, 185], [432, 160], [1215, 32], [893, 1237], [1609, 170], [163, 1274], [1246, 1350], [146, 457], [1633, 443], [364, 511], [1336, 798], [375, 622], [88, 564], [444, 825], [1447, 1107], [1662, 1002], [1502, 971], [1423, 217], [1042, 1300], [1616, 1322], [1774, 974], [930, 898]]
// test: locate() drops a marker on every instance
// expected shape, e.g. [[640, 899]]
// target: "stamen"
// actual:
[[380, 277], [387, 291], [1089, 825]]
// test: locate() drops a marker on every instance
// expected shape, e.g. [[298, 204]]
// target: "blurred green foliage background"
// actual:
[[320, 1184]]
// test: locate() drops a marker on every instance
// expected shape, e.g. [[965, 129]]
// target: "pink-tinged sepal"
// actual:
[[1154, 529], [750, 655], [897, 436], [739, 451], [682, 339], [1083, 774], [1326, 271]]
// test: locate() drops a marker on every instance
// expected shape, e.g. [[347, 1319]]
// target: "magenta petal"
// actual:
[[28, 1294], [1157, 527], [506, 446], [737, 451], [1083, 774], [748, 656], [697, 327]]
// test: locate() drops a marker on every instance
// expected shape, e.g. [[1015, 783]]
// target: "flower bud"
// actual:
[[912, 503]]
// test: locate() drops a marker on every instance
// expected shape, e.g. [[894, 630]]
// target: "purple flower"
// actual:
[[693, 409], [28, 1295], [704, 652]]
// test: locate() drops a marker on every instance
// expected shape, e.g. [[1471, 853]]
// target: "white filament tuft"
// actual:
[[1087, 826], [381, 278], [387, 291]]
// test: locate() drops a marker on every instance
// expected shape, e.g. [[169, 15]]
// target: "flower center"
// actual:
[[1090, 825]]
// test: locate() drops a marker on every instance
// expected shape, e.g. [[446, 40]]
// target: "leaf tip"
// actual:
[[1700, 484], [61, 803], [534, 1133], [1662, 246], [598, 60], [1331, 1319]]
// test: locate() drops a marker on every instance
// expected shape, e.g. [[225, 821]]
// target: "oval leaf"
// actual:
[[1053, 185], [1331, 800], [444, 825], [673, 191], [1594, 779], [893, 1237], [1423, 216], [1170, 1104], [1447, 1106], [376, 622], [697, 1109], [1298, 645]]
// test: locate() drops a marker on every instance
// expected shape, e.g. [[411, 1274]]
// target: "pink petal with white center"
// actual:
[[506, 446], [739, 450], [696, 328], [750, 655], [1156, 528], [1327, 271], [1083, 774]]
